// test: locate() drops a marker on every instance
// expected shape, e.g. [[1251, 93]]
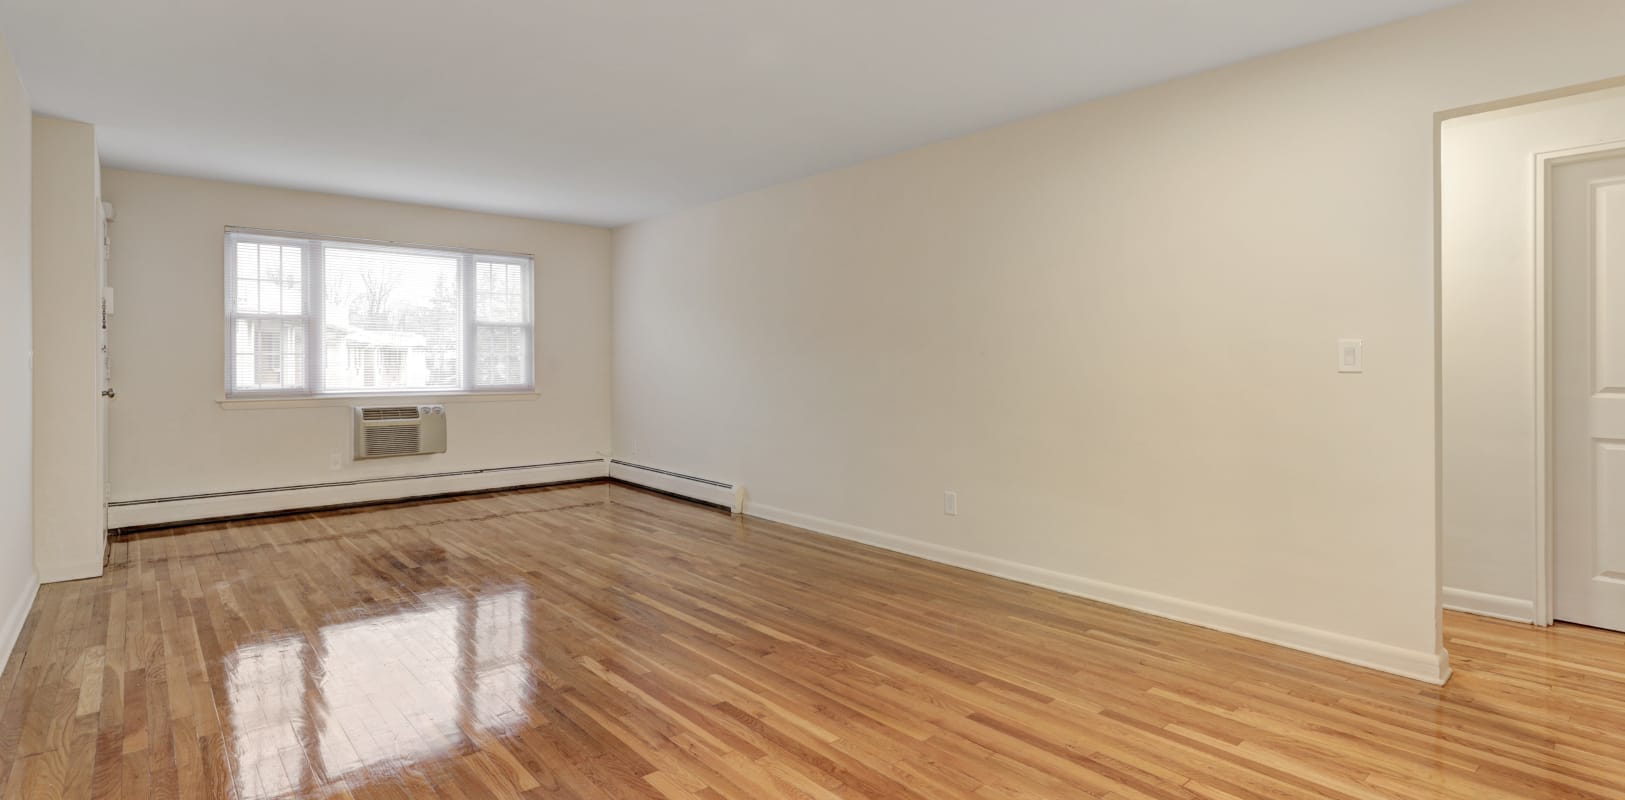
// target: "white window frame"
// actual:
[[313, 257]]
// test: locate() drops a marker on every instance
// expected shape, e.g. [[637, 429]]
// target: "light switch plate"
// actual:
[[1350, 355]]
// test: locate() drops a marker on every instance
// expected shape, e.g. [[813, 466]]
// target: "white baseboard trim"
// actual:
[[16, 615], [719, 493], [164, 511], [57, 573], [1419, 665], [1489, 605]]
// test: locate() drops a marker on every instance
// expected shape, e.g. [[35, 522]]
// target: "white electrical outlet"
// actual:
[[950, 503], [1350, 355], [335, 460]]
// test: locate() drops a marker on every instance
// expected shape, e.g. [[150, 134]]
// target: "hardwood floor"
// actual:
[[601, 642]]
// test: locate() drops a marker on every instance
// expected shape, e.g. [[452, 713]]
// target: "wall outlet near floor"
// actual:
[[950, 503], [335, 460]]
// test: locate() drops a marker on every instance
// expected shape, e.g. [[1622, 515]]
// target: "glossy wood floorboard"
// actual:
[[600, 642]]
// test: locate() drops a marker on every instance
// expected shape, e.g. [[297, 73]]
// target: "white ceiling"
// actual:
[[601, 111]]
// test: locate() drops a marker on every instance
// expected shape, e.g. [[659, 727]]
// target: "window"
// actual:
[[313, 316]]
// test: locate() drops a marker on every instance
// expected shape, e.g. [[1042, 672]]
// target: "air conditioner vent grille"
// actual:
[[389, 412], [384, 431], [394, 440]]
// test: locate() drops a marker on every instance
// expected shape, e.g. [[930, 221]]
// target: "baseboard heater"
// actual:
[[717, 493], [157, 511]]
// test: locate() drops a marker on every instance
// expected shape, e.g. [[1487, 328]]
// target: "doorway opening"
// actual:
[[1532, 360]]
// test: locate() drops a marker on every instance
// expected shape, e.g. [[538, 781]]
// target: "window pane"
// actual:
[[500, 357], [268, 354], [392, 320], [499, 292], [270, 279]]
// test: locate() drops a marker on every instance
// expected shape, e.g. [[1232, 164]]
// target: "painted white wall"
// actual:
[[1487, 167], [170, 434], [68, 518], [1112, 330], [17, 576]]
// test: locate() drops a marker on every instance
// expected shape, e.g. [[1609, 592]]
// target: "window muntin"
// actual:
[[325, 316]]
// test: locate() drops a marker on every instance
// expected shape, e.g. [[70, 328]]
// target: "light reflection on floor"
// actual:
[[385, 690]]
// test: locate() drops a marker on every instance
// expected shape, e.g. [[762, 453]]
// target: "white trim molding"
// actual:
[[718, 493], [327, 400], [172, 510], [16, 616], [1489, 605], [1431, 668]]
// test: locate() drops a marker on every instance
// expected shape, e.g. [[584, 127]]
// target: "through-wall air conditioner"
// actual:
[[383, 431]]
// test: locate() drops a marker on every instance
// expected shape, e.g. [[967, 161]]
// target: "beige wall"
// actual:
[[170, 434], [17, 576], [68, 519], [1488, 215], [1112, 330]]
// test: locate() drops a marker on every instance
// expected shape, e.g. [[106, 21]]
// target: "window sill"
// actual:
[[346, 400]]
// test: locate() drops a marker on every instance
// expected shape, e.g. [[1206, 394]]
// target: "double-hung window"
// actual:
[[308, 315]]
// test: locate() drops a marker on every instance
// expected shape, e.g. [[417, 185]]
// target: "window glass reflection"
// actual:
[[267, 689], [502, 684], [390, 689]]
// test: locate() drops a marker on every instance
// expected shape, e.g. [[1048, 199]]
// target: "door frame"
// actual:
[[1545, 162]]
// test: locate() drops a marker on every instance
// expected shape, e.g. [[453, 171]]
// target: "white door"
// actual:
[[1588, 390]]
